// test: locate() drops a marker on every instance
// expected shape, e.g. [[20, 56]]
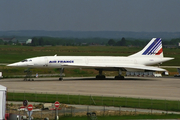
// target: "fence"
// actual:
[[83, 110], [165, 105]]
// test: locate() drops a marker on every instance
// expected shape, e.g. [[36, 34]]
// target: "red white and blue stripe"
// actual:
[[155, 48]]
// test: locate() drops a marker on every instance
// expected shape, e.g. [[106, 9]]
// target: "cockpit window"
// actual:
[[24, 60]]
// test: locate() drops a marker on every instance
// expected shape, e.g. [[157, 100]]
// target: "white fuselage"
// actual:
[[86, 61]]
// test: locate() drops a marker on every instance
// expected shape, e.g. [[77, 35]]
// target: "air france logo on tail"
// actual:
[[155, 48]]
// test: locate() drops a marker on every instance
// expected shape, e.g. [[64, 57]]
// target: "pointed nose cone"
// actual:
[[13, 65]]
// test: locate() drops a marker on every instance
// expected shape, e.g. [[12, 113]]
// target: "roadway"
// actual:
[[138, 87]]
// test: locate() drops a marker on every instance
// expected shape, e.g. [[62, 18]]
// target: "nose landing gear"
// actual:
[[61, 74]]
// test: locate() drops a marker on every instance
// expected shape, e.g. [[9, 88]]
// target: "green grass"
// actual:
[[166, 105], [164, 116]]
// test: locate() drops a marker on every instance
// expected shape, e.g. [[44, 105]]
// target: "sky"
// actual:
[[91, 15]]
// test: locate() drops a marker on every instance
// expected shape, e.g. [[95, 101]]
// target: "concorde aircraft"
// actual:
[[151, 54]]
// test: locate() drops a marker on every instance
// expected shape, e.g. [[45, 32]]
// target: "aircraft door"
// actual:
[[45, 62], [135, 61], [86, 60]]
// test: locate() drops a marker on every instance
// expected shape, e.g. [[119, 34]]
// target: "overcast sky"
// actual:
[[91, 15]]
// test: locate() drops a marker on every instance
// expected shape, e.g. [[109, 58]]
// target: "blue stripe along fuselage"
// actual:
[[152, 46]]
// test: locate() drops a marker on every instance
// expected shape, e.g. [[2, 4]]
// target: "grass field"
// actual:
[[165, 116]]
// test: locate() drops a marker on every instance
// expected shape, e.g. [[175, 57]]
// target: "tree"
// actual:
[[118, 43], [10, 42], [41, 41], [17, 42], [1, 42], [34, 41], [123, 42], [111, 42]]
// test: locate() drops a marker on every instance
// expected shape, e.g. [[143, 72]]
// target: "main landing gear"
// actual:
[[100, 76], [61, 74], [119, 77], [28, 76]]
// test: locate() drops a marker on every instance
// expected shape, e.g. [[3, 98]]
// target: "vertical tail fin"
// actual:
[[152, 49]]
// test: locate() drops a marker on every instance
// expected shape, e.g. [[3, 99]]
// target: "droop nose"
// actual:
[[13, 65]]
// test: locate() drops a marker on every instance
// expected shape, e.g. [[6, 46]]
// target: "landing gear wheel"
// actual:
[[100, 77], [119, 78], [61, 74]]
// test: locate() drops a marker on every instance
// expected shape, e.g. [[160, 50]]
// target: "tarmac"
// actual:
[[137, 87]]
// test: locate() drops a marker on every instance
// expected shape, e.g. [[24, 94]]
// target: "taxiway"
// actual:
[[136, 87]]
